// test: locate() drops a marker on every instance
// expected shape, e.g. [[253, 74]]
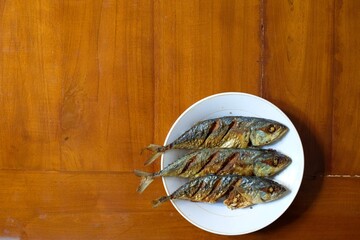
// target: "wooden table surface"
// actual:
[[85, 85]]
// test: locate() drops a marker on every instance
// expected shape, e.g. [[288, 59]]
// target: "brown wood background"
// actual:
[[85, 85]]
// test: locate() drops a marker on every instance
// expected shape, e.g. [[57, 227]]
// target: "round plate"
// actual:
[[217, 218]]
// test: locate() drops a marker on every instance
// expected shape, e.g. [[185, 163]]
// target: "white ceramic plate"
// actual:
[[217, 218]]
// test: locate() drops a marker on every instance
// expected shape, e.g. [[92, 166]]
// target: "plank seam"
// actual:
[[262, 45], [66, 171], [332, 83], [132, 173], [342, 176], [154, 71]]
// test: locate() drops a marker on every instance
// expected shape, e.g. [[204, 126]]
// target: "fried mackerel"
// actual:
[[221, 161], [239, 191], [225, 132]]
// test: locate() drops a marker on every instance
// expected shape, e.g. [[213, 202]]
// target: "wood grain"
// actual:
[[30, 83], [346, 96], [34, 197], [202, 48], [107, 108], [298, 72], [37, 207], [85, 85]]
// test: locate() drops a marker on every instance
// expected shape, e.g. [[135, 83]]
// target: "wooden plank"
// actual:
[[202, 48], [46, 197], [298, 72], [346, 96], [38, 205], [323, 209], [83, 85], [119, 193], [69, 67], [30, 70], [107, 108]]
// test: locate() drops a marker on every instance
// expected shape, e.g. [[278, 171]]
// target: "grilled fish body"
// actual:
[[221, 161], [239, 191], [225, 132]]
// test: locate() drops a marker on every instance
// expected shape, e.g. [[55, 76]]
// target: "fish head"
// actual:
[[271, 191], [265, 131], [270, 163]]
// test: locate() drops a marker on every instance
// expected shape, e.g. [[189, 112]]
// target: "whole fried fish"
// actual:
[[221, 161], [239, 191], [225, 132]]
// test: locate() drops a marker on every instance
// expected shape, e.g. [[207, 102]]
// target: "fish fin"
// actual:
[[240, 204], [239, 189], [158, 151], [244, 199], [141, 173], [237, 199], [153, 158], [146, 179], [151, 147], [160, 200], [154, 147]]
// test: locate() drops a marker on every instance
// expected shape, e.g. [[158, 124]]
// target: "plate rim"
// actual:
[[237, 94]]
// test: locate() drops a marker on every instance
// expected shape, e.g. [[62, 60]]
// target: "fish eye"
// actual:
[[271, 128], [276, 161], [270, 189]]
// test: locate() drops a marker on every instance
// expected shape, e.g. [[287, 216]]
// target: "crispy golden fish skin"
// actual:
[[239, 191], [221, 161], [254, 190], [225, 132]]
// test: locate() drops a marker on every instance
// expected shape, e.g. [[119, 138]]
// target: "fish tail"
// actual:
[[160, 200], [158, 151], [146, 179]]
